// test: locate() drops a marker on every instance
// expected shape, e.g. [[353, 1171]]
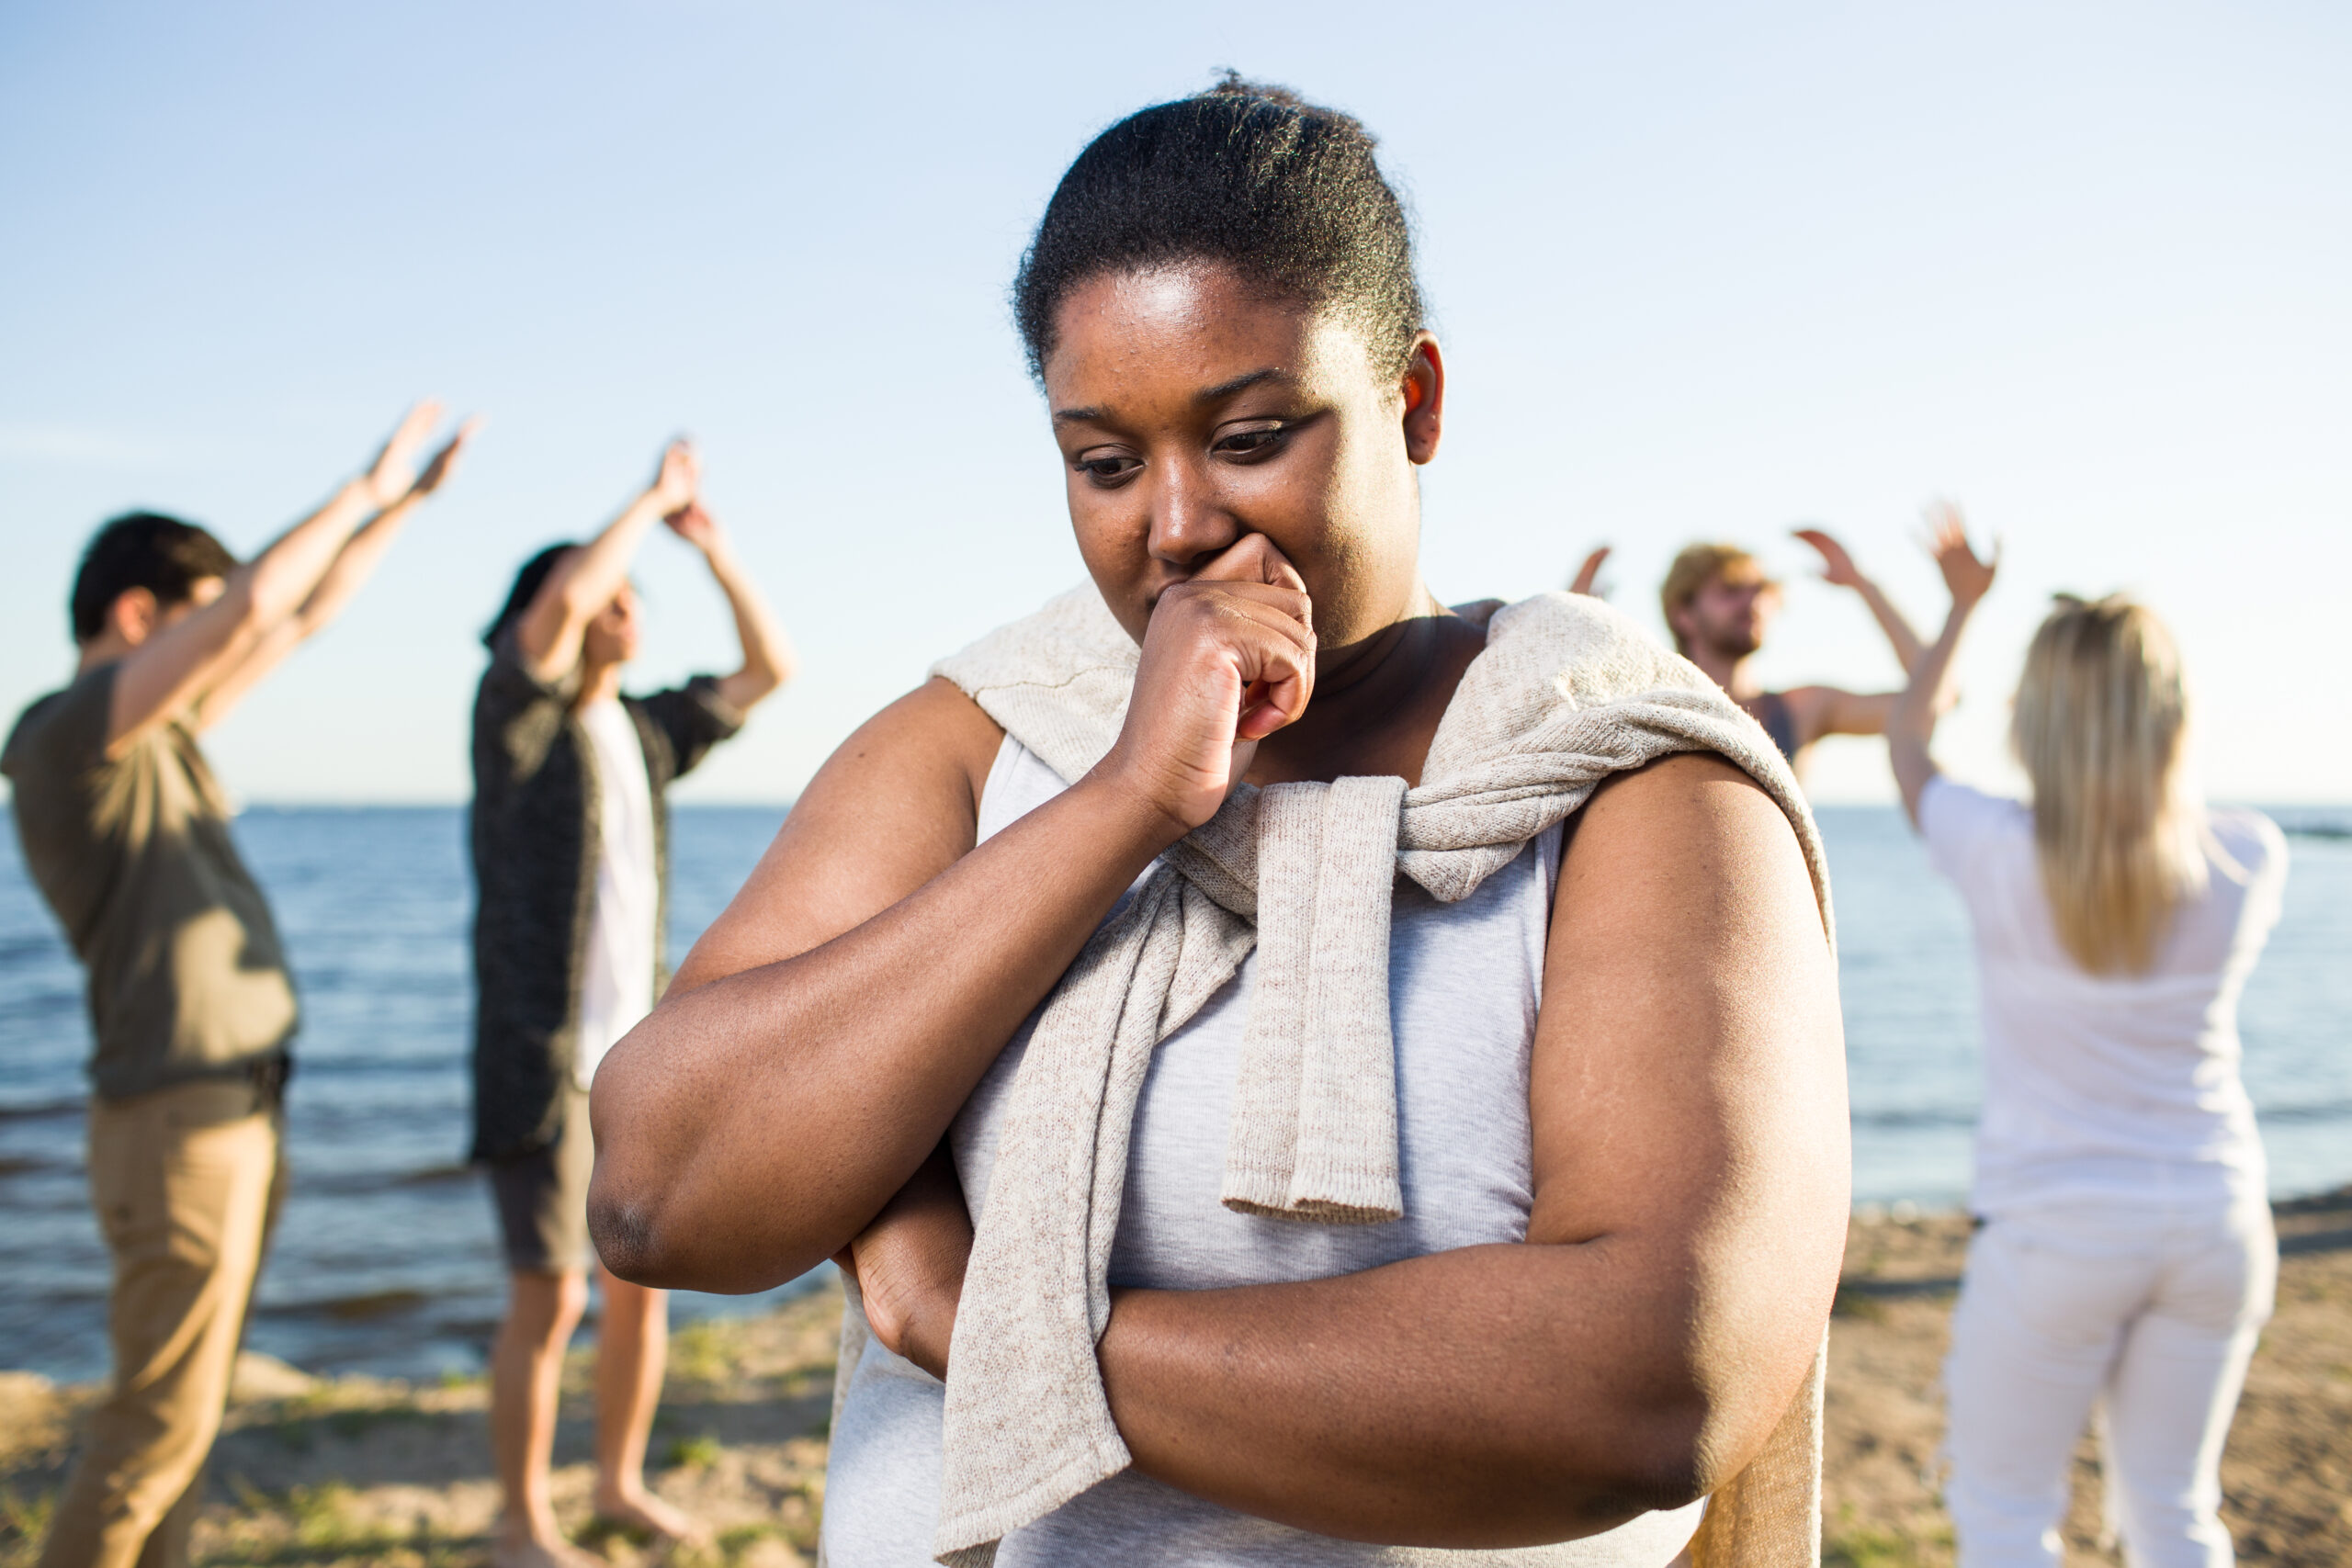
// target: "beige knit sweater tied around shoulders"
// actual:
[[1566, 692]]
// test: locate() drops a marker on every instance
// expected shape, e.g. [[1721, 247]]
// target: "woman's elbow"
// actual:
[[628, 1237], [1660, 1462], [626, 1219]]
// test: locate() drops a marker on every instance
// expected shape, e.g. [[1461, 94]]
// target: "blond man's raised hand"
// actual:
[[1968, 576]]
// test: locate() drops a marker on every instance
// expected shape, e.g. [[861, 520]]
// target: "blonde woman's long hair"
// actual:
[[2100, 724]]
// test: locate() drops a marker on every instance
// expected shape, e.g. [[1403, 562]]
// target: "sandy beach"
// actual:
[[328, 1472]]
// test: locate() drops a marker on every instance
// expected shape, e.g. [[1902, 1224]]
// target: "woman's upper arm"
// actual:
[[1689, 1091], [894, 806]]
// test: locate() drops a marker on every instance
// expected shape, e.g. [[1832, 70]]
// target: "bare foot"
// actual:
[[639, 1509], [518, 1544]]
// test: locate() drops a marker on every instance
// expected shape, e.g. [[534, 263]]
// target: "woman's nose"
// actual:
[[1189, 520]]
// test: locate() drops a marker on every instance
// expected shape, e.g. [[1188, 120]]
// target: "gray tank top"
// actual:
[[1464, 982]]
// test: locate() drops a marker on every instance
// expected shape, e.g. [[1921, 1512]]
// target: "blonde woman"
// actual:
[[2125, 1259]]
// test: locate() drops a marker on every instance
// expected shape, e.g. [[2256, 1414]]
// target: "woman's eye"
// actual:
[[1246, 442], [1109, 469]]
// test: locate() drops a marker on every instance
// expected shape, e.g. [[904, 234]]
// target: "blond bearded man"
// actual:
[[1719, 604]]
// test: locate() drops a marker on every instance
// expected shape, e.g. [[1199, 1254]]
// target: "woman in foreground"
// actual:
[[1492, 1207], [2126, 1259]]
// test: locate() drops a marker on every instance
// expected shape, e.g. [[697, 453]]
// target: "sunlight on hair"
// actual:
[[2101, 716]]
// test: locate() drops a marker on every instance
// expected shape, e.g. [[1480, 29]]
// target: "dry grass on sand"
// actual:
[[352, 1470], [358, 1470]]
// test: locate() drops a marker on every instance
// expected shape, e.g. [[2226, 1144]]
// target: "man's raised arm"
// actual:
[[345, 575], [585, 581], [768, 660], [1838, 569], [173, 669]]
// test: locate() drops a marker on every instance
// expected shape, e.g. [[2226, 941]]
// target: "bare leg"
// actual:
[[526, 1377], [632, 1350]]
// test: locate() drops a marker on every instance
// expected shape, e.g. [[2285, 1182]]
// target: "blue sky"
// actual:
[[1701, 270]]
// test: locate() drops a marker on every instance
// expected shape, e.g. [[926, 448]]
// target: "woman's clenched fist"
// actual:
[[1228, 658]]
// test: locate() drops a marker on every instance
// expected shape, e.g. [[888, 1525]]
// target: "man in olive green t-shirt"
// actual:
[[191, 1006]]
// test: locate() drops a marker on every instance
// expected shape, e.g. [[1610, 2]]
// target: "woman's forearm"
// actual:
[[1491, 1397], [1912, 725], [751, 1126]]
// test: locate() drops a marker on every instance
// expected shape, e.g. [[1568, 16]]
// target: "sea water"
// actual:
[[386, 1259]]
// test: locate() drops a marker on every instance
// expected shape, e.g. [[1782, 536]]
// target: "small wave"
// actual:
[[33, 950], [2312, 821], [2333, 1110], [350, 1309], [337, 1184], [1915, 1116], [434, 1175], [34, 1109]]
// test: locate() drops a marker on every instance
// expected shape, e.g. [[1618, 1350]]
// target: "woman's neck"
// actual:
[[1376, 703]]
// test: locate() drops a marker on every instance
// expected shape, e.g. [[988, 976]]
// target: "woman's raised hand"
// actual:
[[1968, 578], [1228, 659]]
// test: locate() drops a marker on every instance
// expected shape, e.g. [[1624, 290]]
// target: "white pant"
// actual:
[[2149, 1312]]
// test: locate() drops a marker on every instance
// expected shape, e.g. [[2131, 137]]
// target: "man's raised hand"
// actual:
[[1838, 568], [393, 472], [678, 478], [445, 461], [1589, 575], [695, 527]]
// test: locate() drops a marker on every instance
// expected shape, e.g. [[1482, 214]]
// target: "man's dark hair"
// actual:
[[1284, 192], [142, 549], [528, 584]]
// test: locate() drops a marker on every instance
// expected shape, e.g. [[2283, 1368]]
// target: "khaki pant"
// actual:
[[187, 1183]]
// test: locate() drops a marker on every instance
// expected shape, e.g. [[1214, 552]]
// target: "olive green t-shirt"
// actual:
[[187, 979]]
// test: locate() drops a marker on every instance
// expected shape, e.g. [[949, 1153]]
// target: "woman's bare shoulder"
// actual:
[[935, 732], [896, 803], [1687, 986]]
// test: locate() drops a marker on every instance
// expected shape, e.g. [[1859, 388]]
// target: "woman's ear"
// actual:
[[1424, 389]]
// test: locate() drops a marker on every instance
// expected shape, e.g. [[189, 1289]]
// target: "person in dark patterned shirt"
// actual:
[[570, 834]]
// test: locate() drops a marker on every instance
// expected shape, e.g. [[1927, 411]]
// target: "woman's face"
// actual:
[[1191, 411]]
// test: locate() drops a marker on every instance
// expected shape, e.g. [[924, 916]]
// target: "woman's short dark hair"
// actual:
[[528, 584], [142, 549], [1284, 192]]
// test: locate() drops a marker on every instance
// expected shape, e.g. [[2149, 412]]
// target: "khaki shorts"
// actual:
[[542, 1198]]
